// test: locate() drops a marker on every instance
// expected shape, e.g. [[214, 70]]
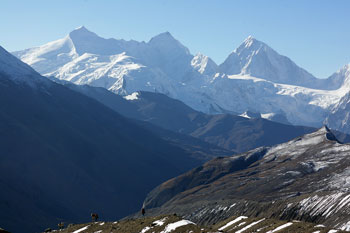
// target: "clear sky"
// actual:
[[313, 33]]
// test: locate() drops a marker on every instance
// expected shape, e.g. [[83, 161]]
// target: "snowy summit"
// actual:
[[254, 75]]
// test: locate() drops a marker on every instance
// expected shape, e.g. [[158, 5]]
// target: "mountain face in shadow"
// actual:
[[227, 131]]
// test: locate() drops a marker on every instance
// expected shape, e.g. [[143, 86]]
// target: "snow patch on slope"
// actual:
[[173, 226], [249, 226], [232, 222], [133, 96], [81, 229], [160, 222], [281, 227]]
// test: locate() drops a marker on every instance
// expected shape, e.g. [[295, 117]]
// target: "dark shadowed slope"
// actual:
[[224, 130], [168, 123], [64, 155]]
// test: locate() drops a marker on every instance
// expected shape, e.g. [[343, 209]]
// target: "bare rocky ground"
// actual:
[[175, 224]]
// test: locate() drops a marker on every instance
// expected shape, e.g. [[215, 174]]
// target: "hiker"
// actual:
[[143, 211], [60, 225], [94, 217]]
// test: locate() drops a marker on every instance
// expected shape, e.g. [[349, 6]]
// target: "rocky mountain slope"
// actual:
[[303, 179], [254, 77], [175, 224], [64, 155]]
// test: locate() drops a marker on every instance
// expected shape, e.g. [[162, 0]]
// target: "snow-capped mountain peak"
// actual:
[[347, 67], [85, 41], [82, 33], [83, 57], [250, 45], [341, 78], [241, 59], [249, 42], [204, 64], [254, 75], [81, 29], [255, 58], [172, 57], [339, 115], [163, 36], [344, 72], [165, 42]]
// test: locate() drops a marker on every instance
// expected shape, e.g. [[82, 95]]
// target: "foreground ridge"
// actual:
[[176, 224], [305, 179]]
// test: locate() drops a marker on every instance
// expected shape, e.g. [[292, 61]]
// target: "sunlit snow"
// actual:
[[280, 227], [232, 222], [249, 226], [172, 226], [133, 96], [81, 229]]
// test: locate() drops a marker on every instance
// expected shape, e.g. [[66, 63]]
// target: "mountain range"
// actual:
[[253, 78]]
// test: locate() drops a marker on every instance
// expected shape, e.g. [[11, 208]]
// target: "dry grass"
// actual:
[[138, 224]]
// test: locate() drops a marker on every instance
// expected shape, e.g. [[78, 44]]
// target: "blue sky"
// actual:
[[314, 34]]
